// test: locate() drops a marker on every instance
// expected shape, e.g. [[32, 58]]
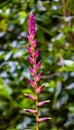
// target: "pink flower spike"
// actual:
[[39, 89], [38, 77], [31, 71], [43, 103], [30, 96], [38, 65], [32, 83], [43, 119], [29, 50], [36, 54], [31, 28], [34, 43], [31, 60], [31, 19], [31, 111]]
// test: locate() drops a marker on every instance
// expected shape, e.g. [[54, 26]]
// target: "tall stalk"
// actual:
[[34, 71]]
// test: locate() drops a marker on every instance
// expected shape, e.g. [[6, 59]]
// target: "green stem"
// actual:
[[37, 123]]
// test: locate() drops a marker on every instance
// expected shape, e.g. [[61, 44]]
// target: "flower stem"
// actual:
[[34, 71], [37, 123]]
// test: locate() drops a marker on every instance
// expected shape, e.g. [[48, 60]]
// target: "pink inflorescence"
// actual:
[[34, 68], [31, 27]]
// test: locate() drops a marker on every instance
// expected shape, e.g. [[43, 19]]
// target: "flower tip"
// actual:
[[25, 94], [49, 118], [24, 109], [48, 101], [31, 28], [31, 13]]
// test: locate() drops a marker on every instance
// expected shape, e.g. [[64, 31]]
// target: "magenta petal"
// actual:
[[31, 60], [39, 89], [31, 28], [38, 65], [36, 54], [29, 38], [43, 103], [31, 71], [32, 24], [38, 77], [30, 96], [31, 19], [34, 43], [29, 49], [32, 83], [31, 111], [33, 32], [31, 16], [43, 119]]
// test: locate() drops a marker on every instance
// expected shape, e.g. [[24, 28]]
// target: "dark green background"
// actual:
[[55, 35]]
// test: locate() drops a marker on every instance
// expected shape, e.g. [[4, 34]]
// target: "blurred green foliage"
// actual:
[[55, 31]]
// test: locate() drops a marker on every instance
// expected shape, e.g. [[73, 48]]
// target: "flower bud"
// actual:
[[31, 27], [30, 50], [29, 39], [39, 89], [32, 83], [31, 71], [34, 43], [30, 96], [38, 65], [36, 54], [43, 103], [38, 77], [43, 119], [31, 60], [31, 111]]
